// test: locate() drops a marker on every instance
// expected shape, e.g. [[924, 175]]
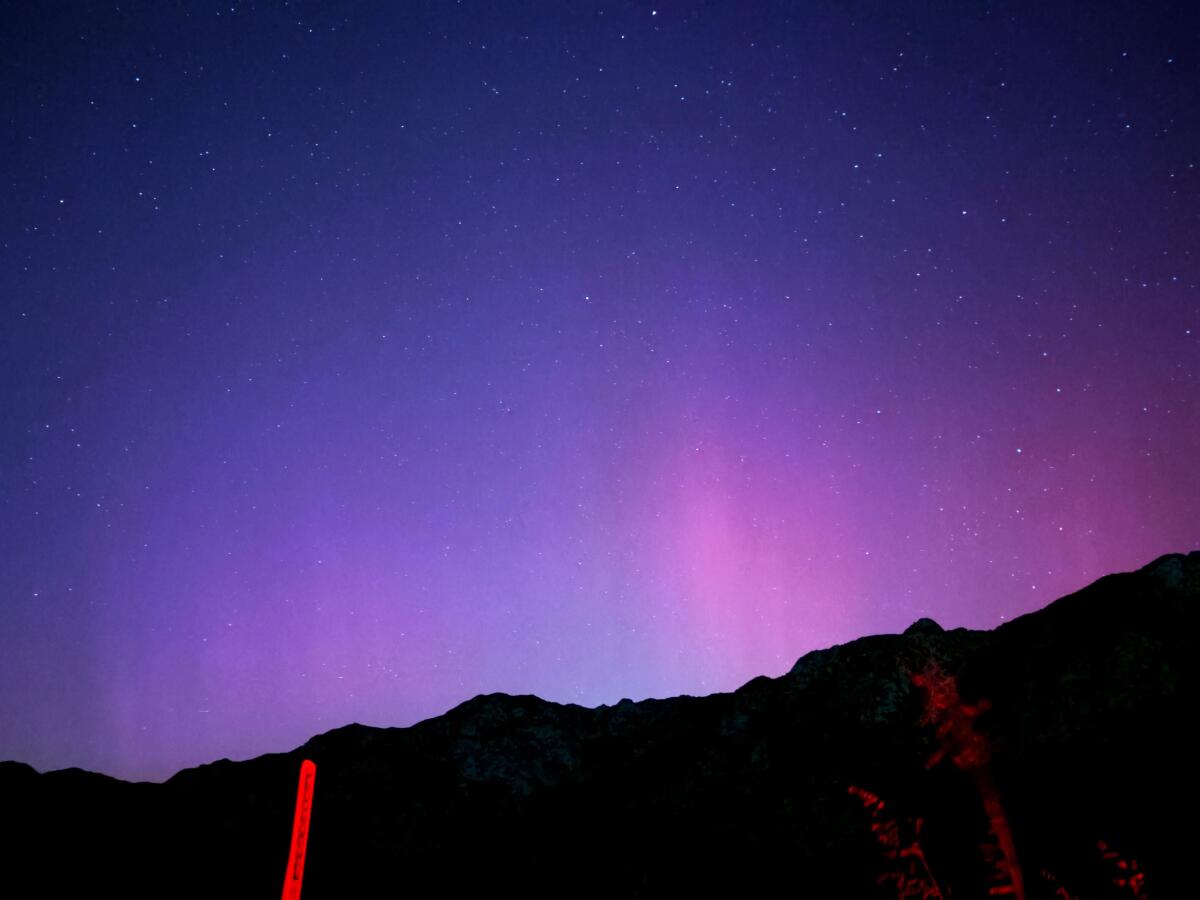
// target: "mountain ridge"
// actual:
[[718, 793], [1169, 566]]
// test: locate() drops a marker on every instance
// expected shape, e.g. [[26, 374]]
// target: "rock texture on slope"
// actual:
[[1083, 708]]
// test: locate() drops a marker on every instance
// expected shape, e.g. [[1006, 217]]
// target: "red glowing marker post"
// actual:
[[295, 867]]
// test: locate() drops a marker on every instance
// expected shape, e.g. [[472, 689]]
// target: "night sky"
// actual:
[[358, 358]]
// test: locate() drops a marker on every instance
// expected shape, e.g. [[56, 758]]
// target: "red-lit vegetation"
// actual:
[[908, 869], [954, 724], [1060, 891], [1128, 874], [909, 872]]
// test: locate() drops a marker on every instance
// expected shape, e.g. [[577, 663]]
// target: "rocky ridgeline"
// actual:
[[1050, 757]]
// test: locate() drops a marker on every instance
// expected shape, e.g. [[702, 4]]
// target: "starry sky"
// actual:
[[359, 357]]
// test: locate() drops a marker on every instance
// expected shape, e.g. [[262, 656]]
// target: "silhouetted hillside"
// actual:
[[1062, 729]]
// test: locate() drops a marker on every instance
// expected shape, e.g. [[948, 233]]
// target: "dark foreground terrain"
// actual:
[[1050, 757]]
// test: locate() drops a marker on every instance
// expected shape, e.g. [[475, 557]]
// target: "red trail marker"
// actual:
[[295, 867]]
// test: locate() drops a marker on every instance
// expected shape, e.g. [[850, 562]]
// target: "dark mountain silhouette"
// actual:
[[1068, 730]]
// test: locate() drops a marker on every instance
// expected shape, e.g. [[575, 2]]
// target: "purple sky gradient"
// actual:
[[358, 358]]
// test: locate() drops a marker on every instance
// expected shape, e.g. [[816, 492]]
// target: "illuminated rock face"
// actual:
[[1059, 740]]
